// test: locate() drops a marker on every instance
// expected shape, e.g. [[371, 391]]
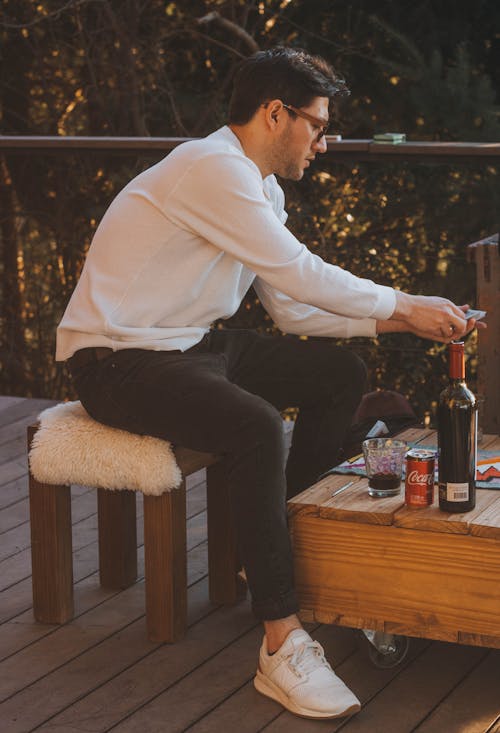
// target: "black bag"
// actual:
[[380, 414]]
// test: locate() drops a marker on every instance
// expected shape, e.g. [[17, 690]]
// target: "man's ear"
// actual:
[[273, 110]]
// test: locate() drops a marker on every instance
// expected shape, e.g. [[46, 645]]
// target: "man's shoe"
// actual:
[[299, 677]]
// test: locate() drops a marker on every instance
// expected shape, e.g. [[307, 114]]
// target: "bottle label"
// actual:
[[457, 492]]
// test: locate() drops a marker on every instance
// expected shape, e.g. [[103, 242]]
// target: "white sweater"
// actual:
[[180, 246]]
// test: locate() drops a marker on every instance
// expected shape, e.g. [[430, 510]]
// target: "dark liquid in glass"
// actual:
[[384, 481]]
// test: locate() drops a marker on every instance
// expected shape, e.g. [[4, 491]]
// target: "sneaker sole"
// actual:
[[264, 685]]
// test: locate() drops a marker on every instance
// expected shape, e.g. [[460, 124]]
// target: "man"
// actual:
[[177, 249]]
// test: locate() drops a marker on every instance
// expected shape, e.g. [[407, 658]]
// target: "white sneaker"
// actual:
[[299, 677]]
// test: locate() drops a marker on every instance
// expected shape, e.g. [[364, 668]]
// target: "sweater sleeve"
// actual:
[[307, 320], [220, 198]]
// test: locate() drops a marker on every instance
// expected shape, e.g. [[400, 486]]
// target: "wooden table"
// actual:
[[375, 564]]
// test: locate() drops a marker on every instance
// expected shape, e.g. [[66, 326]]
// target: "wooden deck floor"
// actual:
[[99, 672]]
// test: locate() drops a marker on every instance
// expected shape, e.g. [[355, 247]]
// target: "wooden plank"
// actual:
[[21, 629], [17, 597], [356, 505], [425, 631], [125, 671], [490, 442], [487, 523], [110, 615], [17, 567], [353, 622], [190, 461], [307, 501], [195, 479], [377, 624], [431, 440], [9, 401], [84, 535], [473, 706], [352, 505], [208, 684], [84, 524], [115, 652], [13, 481], [12, 434], [366, 682], [51, 553], [486, 256], [25, 408], [399, 707], [244, 711], [165, 564], [247, 711], [493, 642], [416, 435], [444, 583], [15, 447], [15, 572], [15, 521], [11, 517], [117, 538], [196, 499], [15, 429], [432, 519], [51, 550]]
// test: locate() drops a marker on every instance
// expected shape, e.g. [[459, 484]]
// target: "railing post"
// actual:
[[486, 255]]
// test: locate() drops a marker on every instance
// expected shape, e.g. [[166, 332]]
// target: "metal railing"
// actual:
[[364, 150]]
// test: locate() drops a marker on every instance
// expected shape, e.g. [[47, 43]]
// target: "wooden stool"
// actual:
[[164, 545]]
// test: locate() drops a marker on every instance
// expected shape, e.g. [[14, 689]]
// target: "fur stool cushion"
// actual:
[[71, 448]]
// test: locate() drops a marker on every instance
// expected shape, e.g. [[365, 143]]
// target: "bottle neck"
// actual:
[[457, 362]]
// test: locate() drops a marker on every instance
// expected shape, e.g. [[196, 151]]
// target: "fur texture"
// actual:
[[72, 448]]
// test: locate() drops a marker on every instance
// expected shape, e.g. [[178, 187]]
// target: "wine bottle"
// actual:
[[457, 438]]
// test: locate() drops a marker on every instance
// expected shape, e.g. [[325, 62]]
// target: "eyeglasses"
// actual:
[[316, 121]]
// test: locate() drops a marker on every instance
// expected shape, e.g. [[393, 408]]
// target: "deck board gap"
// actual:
[[450, 691], [104, 639], [494, 727], [183, 677]]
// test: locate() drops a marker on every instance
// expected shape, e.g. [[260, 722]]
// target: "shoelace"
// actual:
[[307, 657]]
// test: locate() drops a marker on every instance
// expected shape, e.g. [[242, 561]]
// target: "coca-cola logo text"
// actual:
[[415, 478]]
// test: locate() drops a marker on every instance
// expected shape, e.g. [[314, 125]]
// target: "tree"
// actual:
[[103, 67]]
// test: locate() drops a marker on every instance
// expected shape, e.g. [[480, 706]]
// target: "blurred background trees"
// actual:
[[159, 68]]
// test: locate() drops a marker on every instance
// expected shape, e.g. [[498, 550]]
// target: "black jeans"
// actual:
[[224, 396]]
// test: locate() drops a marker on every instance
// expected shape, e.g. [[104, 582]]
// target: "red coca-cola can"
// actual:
[[419, 484]]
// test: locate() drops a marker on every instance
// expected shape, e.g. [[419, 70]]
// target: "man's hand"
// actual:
[[437, 318], [429, 317]]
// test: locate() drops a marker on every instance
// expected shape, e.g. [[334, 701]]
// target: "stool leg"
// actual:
[[51, 552], [225, 586], [165, 558], [116, 511]]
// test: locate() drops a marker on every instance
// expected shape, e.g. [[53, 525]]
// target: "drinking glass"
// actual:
[[384, 465]]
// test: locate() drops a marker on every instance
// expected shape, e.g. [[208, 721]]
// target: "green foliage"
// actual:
[[164, 68]]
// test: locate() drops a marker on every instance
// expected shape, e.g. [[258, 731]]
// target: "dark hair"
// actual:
[[289, 74]]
